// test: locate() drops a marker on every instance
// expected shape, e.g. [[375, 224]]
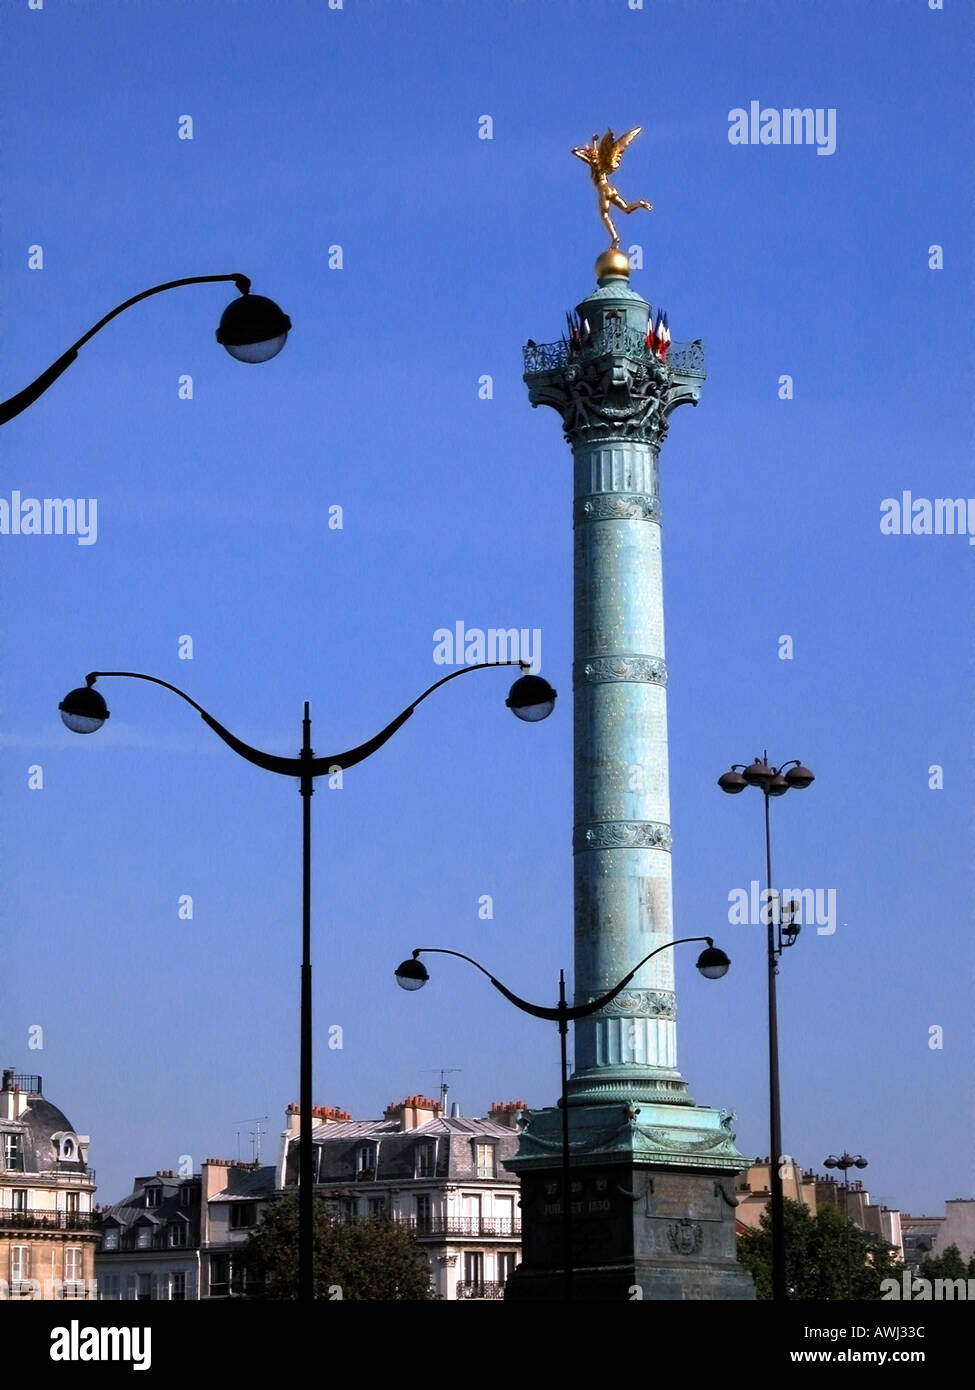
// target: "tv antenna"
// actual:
[[444, 1088], [255, 1135]]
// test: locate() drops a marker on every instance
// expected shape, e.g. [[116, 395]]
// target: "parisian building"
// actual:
[[441, 1176], [47, 1235], [176, 1239]]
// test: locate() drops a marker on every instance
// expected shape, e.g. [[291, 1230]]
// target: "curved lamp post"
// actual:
[[412, 974], [252, 329], [84, 711], [845, 1162], [773, 781]]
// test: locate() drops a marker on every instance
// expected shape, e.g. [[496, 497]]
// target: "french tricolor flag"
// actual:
[[650, 341], [663, 339]]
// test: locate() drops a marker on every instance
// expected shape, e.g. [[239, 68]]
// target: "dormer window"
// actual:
[[365, 1161], [13, 1158], [485, 1163], [153, 1196], [110, 1238], [425, 1159]]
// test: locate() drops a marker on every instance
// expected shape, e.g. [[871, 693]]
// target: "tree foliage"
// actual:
[[375, 1260], [816, 1252], [949, 1264]]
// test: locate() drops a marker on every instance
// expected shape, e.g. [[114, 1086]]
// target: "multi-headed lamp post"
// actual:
[[252, 329], [531, 698], [845, 1162], [772, 781], [413, 974]]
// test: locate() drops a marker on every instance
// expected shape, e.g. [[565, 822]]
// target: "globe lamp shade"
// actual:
[[713, 963], [732, 783], [799, 777], [531, 698], [83, 710], [412, 974], [253, 329], [758, 774]]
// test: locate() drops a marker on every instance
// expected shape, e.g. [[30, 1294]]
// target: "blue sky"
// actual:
[[358, 128]]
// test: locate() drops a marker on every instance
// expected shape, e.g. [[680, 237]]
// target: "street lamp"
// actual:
[[845, 1162], [773, 781], [252, 329], [412, 974], [84, 711]]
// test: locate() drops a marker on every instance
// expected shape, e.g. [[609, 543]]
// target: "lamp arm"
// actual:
[[538, 1010], [289, 767], [300, 767], [20, 402], [582, 1010], [559, 1015], [365, 750]]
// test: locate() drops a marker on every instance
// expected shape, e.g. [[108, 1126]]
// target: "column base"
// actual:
[[652, 1201]]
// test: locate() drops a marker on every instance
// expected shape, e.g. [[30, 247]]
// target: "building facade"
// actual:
[[47, 1235], [441, 1177], [178, 1239]]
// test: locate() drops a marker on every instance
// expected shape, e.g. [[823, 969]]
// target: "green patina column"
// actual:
[[653, 1173]]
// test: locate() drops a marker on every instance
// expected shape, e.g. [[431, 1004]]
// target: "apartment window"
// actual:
[[177, 1235], [110, 1238], [72, 1203], [507, 1260], [13, 1159], [19, 1263], [424, 1218], [143, 1238], [219, 1276], [241, 1216], [474, 1272], [18, 1200], [177, 1288], [143, 1287], [484, 1161], [110, 1286], [365, 1160], [377, 1208], [426, 1160], [153, 1196]]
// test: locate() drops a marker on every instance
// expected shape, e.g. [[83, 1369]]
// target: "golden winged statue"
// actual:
[[604, 158]]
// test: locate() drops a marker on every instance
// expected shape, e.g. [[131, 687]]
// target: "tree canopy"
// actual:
[[816, 1252], [363, 1260]]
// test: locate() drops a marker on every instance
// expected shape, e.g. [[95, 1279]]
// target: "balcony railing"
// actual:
[[496, 1226], [47, 1220], [482, 1288], [683, 359]]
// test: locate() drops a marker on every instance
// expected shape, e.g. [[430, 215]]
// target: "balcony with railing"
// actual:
[[481, 1288], [10, 1219], [615, 337], [495, 1227]]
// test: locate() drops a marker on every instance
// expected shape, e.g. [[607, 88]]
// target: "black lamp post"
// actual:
[[412, 974], [83, 711], [773, 781], [252, 329], [845, 1162]]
